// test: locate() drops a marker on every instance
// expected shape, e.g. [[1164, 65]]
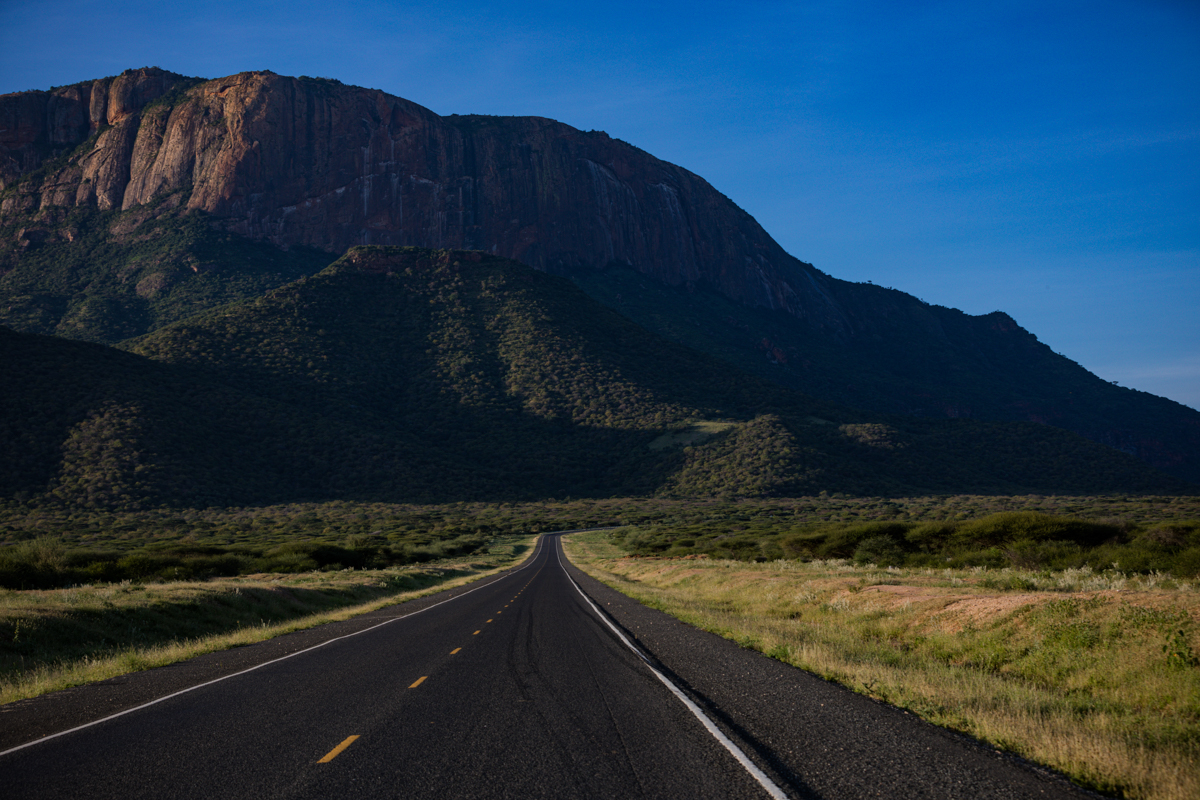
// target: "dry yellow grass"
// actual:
[[1091, 677]]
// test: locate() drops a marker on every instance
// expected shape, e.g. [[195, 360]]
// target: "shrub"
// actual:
[[930, 536], [844, 543], [35, 562], [883, 551], [1054, 554], [289, 562], [1014, 526], [1187, 563]]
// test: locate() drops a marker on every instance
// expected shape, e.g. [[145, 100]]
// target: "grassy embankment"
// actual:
[[57, 638], [1095, 674]]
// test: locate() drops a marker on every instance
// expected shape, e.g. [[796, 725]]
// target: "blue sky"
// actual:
[[1042, 158]]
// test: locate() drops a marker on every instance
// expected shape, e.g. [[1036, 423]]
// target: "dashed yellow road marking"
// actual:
[[476, 633], [489, 620], [332, 754], [418, 681], [455, 650]]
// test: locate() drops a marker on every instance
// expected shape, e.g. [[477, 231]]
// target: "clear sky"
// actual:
[[1041, 158]]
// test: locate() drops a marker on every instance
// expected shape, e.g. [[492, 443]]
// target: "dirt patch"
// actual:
[[905, 594], [976, 609], [960, 610], [696, 434]]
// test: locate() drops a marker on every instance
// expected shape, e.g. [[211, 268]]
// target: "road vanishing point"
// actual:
[[539, 682]]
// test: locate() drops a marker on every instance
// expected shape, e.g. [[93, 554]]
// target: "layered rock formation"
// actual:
[[314, 162]]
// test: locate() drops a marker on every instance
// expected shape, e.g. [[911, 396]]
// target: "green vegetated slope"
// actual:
[[905, 357], [93, 426], [403, 374], [105, 276]]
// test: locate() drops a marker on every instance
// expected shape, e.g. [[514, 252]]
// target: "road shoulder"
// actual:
[[816, 737]]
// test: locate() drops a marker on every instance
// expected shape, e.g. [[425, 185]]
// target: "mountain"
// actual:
[[405, 374], [310, 161], [128, 202]]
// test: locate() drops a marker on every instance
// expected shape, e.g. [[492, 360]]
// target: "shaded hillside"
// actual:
[[407, 374], [911, 358], [479, 352], [313, 162], [96, 427]]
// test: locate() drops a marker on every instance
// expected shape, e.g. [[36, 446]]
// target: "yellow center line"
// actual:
[[418, 681], [455, 650], [489, 620], [476, 633], [332, 754]]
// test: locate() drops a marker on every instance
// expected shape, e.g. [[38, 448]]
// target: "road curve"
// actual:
[[539, 683]]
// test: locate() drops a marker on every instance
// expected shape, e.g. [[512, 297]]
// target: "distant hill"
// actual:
[[407, 374], [127, 203]]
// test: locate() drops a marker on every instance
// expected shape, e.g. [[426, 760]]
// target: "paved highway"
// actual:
[[519, 688]]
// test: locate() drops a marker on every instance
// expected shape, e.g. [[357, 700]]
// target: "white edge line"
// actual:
[[770, 786], [48, 737]]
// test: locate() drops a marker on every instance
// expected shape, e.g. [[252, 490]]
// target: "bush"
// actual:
[[844, 543], [1014, 526], [34, 564], [1187, 563], [289, 562], [930, 536], [1034, 555], [883, 551]]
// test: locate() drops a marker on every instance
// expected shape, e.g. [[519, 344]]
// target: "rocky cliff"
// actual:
[[37, 128], [315, 162]]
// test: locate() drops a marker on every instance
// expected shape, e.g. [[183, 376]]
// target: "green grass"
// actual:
[[690, 434], [54, 639], [1092, 673]]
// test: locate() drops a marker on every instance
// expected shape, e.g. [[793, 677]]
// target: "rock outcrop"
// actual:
[[38, 127], [315, 162]]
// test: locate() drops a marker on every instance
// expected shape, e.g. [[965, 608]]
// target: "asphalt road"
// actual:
[[522, 687]]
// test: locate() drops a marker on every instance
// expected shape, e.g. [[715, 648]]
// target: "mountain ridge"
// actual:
[[486, 380], [310, 162]]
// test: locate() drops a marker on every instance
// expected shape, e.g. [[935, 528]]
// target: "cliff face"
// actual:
[[37, 127], [314, 162]]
